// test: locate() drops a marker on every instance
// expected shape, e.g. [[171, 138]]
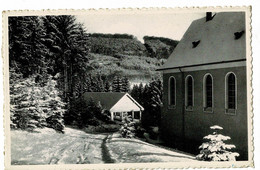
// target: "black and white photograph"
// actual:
[[139, 87]]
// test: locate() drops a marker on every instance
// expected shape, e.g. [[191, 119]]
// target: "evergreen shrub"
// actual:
[[214, 149]]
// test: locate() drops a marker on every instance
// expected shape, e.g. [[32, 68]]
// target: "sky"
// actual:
[[167, 24]]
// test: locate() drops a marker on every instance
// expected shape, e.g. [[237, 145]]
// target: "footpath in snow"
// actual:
[[124, 150], [78, 147], [50, 147]]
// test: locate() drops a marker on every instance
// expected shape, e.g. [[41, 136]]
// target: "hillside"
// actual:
[[124, 44], [125, 55], [159, 47], [136, 68], [116, 44]]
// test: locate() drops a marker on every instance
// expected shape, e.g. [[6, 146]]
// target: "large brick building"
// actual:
[[205, 83]]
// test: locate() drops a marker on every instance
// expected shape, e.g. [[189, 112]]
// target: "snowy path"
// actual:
[[49, 147], [78, 147], [125, 150]]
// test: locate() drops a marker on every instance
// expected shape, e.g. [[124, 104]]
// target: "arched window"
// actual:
[[231, 93], [189, 92], [208, 92], [172, 91]]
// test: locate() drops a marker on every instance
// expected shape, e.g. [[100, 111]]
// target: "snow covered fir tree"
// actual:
[[215, 149], [127, 130]]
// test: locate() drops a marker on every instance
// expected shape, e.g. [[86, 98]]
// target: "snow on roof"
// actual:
[[213, 41], [108, 100]]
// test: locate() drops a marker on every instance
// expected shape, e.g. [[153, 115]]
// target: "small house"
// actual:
[[205, 83], [118, 104]]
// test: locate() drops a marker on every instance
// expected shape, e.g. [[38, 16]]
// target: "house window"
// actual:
[[189, 92], [231, 93], [172, 91], [208, 93]]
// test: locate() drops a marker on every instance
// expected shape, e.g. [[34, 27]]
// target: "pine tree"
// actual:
[[125, 84], [134, 93], [26, 112], [68, 48], [215, 149], [156, 93], [127, 130], [100, 84], [150, 97], [107, 87], [26, 46], [33, 109], [16, 95], [141, 92], [53, 106], [117, 84], [80, 87]]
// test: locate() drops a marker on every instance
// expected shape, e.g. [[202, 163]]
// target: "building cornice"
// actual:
[[197, 67]]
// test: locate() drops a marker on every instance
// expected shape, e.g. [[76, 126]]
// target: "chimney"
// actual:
[[208, 16]]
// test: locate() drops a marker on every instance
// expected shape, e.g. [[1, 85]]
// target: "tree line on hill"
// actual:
[[159, 47], [49, 64], [120, 45], [98, 84], [124, 36]]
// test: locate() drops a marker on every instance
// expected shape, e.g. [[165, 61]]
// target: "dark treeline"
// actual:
[[159, 47], [95, 83], [167, 41], [124, 36], [150, 97]]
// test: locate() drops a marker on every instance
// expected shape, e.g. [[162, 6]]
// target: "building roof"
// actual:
[[109, 100], [215, 40]]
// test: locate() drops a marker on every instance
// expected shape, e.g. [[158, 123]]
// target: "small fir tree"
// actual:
[[26, 112], [100, 84], [16, 89], [117, 84], [127, 130], [125, 84], [18, 95], [215, 149], [107, 87], [55, 110]]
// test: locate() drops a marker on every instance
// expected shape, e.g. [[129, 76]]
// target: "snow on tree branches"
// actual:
[[215, 149], [127, 130], [34, 106]]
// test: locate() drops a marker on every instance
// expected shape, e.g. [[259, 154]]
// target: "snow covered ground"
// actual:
[[50, 147], [124, 150], [77, 147]]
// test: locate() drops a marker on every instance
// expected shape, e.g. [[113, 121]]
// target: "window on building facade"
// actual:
[[189, 92], [231, 93], [208, 93], [172, 91]]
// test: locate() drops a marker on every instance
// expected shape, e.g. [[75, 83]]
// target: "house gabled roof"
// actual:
[[108, 100], [210, 42]]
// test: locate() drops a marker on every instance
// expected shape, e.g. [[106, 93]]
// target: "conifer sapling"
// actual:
[[215, 149]]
